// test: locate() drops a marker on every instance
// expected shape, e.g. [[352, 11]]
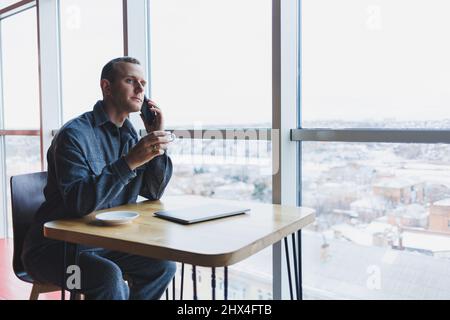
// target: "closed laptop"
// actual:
[[200, 213]]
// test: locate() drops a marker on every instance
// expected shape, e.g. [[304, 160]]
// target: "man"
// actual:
[[97, 161]]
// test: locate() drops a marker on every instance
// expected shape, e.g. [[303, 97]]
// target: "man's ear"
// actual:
[[106, 87]]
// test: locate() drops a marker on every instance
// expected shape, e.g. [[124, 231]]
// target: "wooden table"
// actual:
[[216, 243]]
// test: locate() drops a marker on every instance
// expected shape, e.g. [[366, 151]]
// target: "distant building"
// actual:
[[377, 233], [369, 208], [439, 220], [425, 242], [412, 215], [400, 190]]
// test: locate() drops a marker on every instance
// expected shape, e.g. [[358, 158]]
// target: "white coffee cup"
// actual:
[[171, 136]]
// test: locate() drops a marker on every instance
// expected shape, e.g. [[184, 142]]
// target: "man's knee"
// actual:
[[99, 273], [162, 269]]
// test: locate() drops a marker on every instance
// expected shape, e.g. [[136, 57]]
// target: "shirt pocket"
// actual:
[[96, 165]]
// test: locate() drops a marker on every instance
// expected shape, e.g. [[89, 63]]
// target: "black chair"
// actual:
[[27, 195]]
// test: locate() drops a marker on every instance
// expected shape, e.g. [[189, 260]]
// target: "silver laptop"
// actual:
[[200, 213]]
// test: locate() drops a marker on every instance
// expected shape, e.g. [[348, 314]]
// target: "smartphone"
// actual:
[[149, 116]]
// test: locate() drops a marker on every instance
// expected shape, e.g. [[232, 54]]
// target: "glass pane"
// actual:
[[375, 63], [382, 222], [23, 155], [91, 35], [20, 71], [211, 61], [226, 169], [237, 170]]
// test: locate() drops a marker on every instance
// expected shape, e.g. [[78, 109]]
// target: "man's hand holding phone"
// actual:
[[152, 116], [152, 145]]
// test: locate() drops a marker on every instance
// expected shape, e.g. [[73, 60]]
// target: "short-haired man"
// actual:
[[97, 161]]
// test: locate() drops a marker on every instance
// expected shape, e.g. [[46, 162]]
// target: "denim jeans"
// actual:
[[102, 273], [102, 276]]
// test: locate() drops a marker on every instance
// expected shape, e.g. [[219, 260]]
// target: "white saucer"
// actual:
[[116, 217]]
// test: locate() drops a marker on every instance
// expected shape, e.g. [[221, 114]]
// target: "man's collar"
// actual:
[[100, 117]]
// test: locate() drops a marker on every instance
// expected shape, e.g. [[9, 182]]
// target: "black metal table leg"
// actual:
[[182, 281], [173, 288], [288, 263], [194, 281], [213, 282], [225, 286]]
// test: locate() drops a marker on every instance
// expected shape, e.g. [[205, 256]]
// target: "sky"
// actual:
[[211, 60]]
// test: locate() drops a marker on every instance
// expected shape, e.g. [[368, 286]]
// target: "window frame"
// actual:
[[371, 135]]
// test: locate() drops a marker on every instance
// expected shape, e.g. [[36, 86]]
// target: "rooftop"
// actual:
[[442, 203], [355, 271]]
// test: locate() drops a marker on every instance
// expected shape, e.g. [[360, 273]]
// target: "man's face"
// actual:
[[127, 89]]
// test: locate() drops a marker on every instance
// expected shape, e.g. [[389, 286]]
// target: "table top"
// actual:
[[214, 243]]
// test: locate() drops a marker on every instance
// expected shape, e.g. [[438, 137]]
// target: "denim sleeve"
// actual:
[[157, 174], [81, 190]]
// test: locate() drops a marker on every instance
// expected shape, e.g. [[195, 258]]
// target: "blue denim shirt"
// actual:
[[87, 170]]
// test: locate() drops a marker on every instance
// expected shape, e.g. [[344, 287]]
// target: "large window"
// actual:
[[20, 137], [91, 35], [20, 71], [375, 64], [227, 169], [211, 62], [211, 68], [381, 229], [381, 220]]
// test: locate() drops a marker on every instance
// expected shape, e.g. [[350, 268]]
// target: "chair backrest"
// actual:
[[27, 195]]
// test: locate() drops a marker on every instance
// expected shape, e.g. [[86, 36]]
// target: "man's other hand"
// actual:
[[152, 145]]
